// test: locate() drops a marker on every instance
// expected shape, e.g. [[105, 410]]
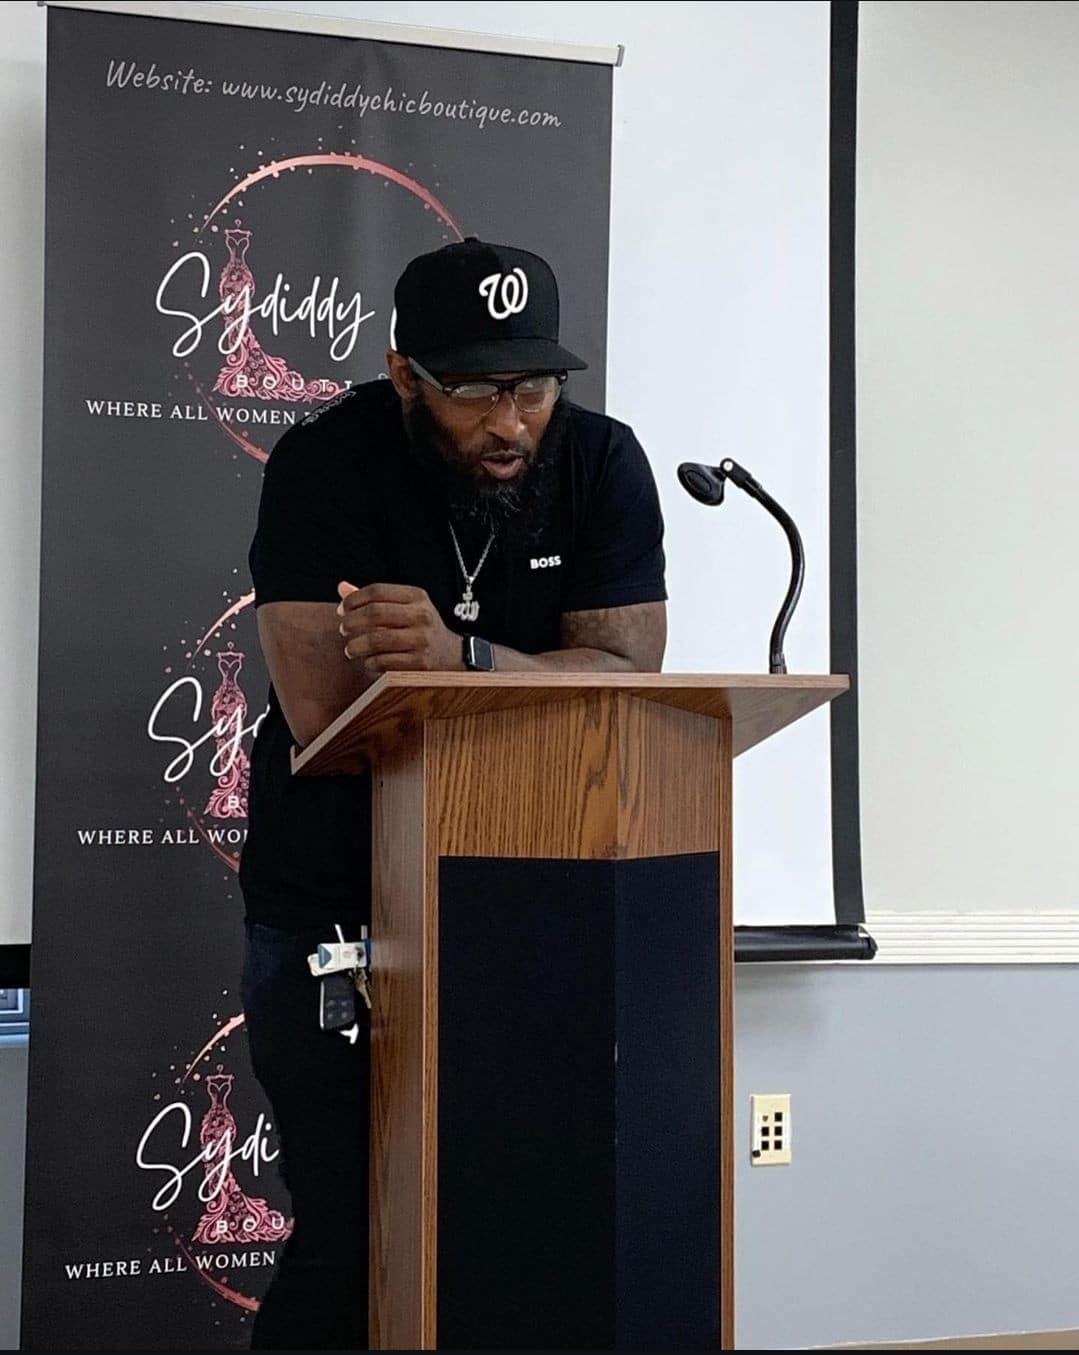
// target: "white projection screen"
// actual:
[[779, 400]]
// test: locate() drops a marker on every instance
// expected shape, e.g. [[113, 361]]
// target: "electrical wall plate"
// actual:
[[770, 1133]]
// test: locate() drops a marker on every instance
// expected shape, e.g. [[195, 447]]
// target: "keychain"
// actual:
[[342, 968]]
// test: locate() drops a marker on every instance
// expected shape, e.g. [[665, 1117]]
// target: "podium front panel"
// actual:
[[578, 1105], [551, 1030]]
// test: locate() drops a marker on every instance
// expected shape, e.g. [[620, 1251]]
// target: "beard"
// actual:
[[514, 509]]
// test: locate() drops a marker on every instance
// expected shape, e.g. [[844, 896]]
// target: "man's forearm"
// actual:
[[305, 655], [562, 661]]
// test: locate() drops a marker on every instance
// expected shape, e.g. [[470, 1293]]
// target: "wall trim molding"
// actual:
[[1026, 1340], [975, 938]]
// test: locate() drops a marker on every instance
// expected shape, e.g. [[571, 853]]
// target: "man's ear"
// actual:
[[401, 374]]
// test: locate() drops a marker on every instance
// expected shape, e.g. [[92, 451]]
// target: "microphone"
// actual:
[[705, 484]]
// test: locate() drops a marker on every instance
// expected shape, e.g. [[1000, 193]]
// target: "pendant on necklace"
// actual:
[[467, 609]]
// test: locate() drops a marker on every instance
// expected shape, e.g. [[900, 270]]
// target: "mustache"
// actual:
[[505, 449]]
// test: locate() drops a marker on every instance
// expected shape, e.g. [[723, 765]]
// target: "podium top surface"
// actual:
[[757, 704]]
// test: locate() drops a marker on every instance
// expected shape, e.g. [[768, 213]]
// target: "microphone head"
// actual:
[[704, 483]]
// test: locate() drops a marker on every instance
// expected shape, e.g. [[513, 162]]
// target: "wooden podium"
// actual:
[[551, 1149]]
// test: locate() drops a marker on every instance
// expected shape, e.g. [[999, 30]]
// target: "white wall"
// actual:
[[968, 457]]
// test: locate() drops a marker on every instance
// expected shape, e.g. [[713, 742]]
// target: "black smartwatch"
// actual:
[[479, 655]]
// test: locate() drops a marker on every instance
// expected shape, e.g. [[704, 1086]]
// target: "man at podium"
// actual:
[[463, 514]]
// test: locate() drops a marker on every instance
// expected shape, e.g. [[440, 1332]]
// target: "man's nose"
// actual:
[[505, 421]]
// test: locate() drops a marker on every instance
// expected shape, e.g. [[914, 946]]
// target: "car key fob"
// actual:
[[337, 1001]]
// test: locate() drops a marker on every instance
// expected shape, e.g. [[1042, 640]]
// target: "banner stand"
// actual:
[[228, 207]]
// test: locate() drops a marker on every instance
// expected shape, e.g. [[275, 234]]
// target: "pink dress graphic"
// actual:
[[229, 711], [249, 371], [230, 1215]]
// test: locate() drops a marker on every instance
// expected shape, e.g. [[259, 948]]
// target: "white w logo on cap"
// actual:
[[506, 293]]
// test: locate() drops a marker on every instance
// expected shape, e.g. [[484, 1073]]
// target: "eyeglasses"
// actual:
[[529, 393]]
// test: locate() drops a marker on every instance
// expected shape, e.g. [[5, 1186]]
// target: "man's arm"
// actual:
[[389, 627], [611, 640], [304, 653], [321, 657]]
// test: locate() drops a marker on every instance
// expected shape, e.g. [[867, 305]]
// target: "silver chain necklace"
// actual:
[[468, 609]]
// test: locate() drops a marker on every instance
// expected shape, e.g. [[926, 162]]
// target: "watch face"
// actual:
[[480, 655]]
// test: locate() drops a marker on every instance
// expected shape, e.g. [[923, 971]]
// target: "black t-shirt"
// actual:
[[344, 498]]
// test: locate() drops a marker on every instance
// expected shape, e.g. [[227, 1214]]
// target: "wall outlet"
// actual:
[[770, 1143]]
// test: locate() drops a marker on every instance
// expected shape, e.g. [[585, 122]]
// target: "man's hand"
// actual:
[[389, 626]]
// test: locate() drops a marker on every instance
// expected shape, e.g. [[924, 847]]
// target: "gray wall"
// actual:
[[12, 1158], [934, 1188]]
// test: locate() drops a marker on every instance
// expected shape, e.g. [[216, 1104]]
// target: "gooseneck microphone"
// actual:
[[705, 484]]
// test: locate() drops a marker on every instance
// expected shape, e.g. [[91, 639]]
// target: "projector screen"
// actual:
[[762, 397], [718, 346]]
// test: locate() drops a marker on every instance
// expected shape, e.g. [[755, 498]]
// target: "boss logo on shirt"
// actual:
[[545, 561]]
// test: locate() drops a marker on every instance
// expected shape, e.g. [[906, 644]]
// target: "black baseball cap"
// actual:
[[473, 307]]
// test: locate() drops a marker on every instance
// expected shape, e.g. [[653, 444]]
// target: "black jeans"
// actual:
[[318, 1085]]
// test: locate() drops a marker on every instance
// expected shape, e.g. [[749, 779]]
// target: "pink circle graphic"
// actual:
[[339, 160], [273, 170]]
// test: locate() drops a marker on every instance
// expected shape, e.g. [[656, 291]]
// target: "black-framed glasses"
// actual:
[[529, 393]]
